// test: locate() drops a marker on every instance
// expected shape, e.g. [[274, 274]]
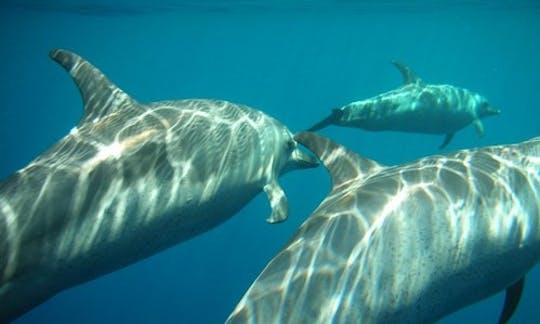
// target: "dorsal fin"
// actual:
[[342, 164], [408, 75], [100, 96]]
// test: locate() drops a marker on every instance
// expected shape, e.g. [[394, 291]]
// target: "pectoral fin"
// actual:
[[479, 127], [278, 202], [511, 300], [447, 140]]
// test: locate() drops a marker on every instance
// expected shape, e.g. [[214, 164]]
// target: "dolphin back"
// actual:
[[129, 181], [387, 243]]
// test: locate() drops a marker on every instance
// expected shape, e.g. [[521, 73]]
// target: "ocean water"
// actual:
[[295, 60]]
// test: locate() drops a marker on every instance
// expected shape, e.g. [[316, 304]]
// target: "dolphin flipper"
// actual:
[[479, 127], [332, 119], [511, 300], [447, 140], [278, 202]]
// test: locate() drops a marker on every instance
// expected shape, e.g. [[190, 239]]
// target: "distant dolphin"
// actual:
[[406, 244], [130, 180], [415, 107]]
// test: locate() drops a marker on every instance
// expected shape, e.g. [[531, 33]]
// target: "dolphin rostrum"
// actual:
[[406, 244], [415, 107], [130, 180]]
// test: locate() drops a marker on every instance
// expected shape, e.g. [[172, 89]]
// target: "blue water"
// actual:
[[293, 60]]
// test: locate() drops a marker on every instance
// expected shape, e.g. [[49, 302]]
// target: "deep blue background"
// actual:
[[295, 61]]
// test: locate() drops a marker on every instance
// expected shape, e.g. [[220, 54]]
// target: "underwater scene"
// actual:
[[269, 161]]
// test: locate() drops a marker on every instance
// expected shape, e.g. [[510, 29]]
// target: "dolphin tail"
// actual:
[[334, 117]]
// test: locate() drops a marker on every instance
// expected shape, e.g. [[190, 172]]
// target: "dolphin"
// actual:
[[406, 244], [130, 180], [415, 107]]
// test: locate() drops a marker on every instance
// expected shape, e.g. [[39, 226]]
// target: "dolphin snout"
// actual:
[[490, 111], [303, 160]]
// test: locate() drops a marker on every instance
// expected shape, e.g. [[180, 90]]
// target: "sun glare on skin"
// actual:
[[113, 150]]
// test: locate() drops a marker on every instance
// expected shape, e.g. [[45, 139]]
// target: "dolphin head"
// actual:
[[279, 151], [484, 109], [284, 155], [296, 158]]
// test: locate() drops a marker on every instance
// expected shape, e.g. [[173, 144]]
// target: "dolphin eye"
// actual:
[[289, 145]]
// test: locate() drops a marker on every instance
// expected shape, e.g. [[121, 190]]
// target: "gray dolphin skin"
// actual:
[[406, 244], [415, 107], [130, 180]]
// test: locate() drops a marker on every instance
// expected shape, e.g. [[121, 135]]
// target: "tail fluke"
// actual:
[[332, 119]]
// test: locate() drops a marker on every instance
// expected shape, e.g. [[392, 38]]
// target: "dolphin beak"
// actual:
[[302, 160], [493, 111]]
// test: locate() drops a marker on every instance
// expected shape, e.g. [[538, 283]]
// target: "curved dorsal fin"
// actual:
[[342, 164], [408, 75], [100, 96]]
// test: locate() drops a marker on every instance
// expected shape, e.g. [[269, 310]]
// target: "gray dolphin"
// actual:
[[130, 180], [415, 107], [406, 244]]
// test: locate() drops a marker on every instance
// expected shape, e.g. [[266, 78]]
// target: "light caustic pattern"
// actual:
[[415, 107], [419, 107], [404, 244], [433, 109], [130, 180], [168, 152]]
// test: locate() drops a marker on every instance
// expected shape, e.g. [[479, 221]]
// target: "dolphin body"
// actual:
[[415, 107], [406, 244], [129, 181]]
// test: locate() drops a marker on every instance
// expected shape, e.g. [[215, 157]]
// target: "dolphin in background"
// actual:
[[406, 244], [415, 107], [129, 181]]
